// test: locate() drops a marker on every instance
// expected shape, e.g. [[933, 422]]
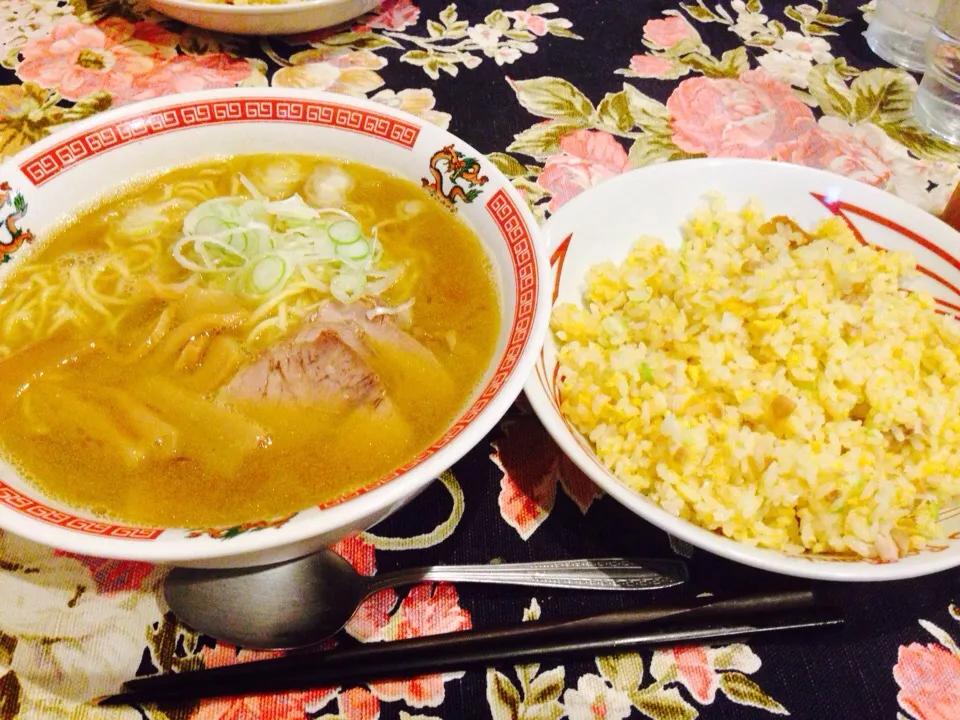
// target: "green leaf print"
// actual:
[[546, 688], [660, 703], [497, 20], [730, 65], [558, 28], [922, 143], [625, 672], [507, 165], [543, 139], [85, 107], [361, 41], [502, 696], [552, 97], [448, 16], [744, 691], [702, 13], [830, 91], [647, 113], [613, 113], [882, 96], [652, 148]]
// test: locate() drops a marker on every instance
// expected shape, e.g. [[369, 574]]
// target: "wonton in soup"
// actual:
[[241, 339]]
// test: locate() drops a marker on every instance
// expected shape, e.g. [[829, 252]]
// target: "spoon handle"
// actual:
[[592, 574]]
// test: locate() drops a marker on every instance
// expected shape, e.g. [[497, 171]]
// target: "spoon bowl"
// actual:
[[285, 605]]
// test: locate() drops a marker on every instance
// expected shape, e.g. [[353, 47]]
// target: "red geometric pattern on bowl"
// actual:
[[45, 165], [517, 235], [22, 504]]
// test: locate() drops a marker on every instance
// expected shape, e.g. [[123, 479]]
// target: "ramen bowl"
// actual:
[[54, 178], [603, 224], [281, 18]]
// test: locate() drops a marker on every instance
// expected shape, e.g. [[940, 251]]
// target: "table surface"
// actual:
[[493, 72]]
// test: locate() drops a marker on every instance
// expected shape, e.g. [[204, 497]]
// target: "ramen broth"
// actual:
[[129, 377]]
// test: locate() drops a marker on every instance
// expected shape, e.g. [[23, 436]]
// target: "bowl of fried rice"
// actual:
[[763, 360]]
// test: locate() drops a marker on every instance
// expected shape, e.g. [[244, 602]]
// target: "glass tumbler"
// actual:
[[898, 31], [937, 103]]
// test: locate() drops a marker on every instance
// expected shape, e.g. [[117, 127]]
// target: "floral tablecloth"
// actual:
[[563, 96]]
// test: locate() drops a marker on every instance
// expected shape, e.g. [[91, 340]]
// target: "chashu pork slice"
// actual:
[[332, 357], [320, 368]]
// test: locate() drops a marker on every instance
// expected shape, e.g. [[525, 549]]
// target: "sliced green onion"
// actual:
[[344, 232], [354, 251], [266, 274], [258, 245], [238, 240], [646, 373], [210, 225]]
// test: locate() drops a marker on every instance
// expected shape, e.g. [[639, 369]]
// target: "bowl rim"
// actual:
[[285, 7], [352, 510], [555, 230]]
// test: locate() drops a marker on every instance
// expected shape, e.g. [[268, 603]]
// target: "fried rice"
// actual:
[[770, 384]]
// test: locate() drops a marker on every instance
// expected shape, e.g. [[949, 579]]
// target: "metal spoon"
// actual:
[[301, 602]]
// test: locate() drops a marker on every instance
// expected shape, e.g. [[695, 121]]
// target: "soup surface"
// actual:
[[241, 339]]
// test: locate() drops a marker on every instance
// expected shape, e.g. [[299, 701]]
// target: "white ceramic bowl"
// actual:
[[296, 16], [70, 169], [604, 222]]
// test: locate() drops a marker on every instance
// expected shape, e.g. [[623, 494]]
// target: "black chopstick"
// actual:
[[707, 620]]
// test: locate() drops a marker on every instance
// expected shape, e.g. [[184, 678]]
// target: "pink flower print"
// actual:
[[586, 158], [392, 15], [524, 20], [431, 610], [696, 673], [79, 59], [358, 704], [929, 680], [650, 66], [426, 610], [425, 691], [373, 616], [113, 575], [358, 552], [747, 117], [186, 73], [841, 153], [533, 467], [526, 500], [669, 31]]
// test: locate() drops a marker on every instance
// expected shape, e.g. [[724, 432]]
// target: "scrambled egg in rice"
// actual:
[[771, 385]]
